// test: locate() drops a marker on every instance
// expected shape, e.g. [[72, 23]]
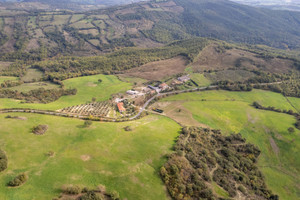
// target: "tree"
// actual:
[[3, 161], [18, 180], [291, 130], [87, 123]]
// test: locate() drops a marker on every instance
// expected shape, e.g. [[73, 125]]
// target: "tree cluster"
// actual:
[[40, 95], [204, 156]]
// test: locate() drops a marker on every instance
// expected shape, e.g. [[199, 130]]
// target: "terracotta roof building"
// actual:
[[121, 107]]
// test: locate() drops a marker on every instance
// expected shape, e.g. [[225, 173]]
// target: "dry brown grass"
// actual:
[[94, 32], [32, 44], [177, 112], [4, 65], [145, 43], [212, 58], [160, 69]]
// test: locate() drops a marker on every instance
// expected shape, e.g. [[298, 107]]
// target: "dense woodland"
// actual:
[[40, 95], [205, 157]]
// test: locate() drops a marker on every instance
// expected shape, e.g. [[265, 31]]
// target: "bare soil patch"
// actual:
[[159, 69], [85, 157], [274, 146], [15, 117], [91, 84]]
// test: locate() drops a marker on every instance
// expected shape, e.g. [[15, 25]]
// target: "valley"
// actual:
[[166, 99]]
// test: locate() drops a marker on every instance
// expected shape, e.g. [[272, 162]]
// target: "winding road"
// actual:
[[168, 93]]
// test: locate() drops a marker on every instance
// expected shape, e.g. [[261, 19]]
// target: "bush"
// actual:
[[72, 189], [3, 161], [291, 130], [127, 128], [242, 189], [91, 195], [87, 123], [40, 129], [114, 195], [18, 180]]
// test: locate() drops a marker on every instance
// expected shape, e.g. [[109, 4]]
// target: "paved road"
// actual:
[[167, 93]]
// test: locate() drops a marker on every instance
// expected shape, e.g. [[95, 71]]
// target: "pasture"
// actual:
[[26, 87], [104, 153], [7, 78], [232, 112], [87, 88]]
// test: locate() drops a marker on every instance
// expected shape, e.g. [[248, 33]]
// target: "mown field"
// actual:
[[87, 88], [232, 112], [103, 153]]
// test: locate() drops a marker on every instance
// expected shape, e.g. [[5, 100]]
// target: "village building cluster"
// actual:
[[151, 90]]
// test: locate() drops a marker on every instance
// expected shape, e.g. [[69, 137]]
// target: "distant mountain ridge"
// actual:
[[143, 24], [293, 5]]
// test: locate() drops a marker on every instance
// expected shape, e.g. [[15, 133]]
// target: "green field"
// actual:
[[232, 112], [7, 78], [265, 98], [104, 153], [200, 79], [26, 87], [87, 88]]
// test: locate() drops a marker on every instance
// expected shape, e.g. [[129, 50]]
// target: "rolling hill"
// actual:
[[144, 24]]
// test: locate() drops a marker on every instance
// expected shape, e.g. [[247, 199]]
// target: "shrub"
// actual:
[[72, 189], [114, 195], [3, 161], [91, 195], [291, 130], [87, 123], [18, 180], [242, 189], [40, 129], [127, 128]]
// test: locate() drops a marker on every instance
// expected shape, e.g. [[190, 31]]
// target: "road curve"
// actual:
[[167, 93]]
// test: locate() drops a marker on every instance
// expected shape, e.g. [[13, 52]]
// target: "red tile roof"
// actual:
[[121, 107]]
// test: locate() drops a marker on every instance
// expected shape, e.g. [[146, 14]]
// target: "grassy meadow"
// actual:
[[87, 88], [7, 78], [232, 112], [103, 153]]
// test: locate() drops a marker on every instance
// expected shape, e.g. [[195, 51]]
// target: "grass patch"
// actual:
[[200, 79], [219, 111], [265, 98], [32, 74], [127, 162], [82, 24], [220, 191], [7, 78], [26, 87]]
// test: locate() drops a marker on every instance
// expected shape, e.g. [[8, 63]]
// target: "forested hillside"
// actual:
[[37, 34]]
